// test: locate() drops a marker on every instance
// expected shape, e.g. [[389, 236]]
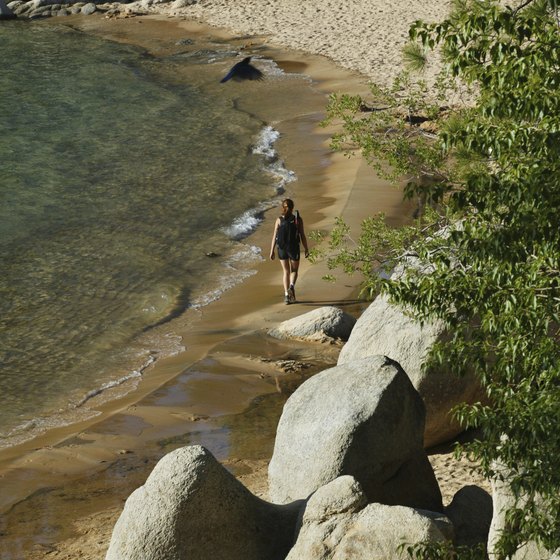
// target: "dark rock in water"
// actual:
[[212, 254], [242, 71], [5, 11]]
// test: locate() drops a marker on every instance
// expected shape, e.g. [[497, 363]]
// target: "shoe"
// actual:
[[292, 294], [287, 299]]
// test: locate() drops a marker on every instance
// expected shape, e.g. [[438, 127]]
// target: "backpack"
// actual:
[[288, 232]]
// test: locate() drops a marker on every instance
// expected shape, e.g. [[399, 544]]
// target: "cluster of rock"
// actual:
[[362, 419], [339, 523], [386, 330], [349, 477], [33, 9]]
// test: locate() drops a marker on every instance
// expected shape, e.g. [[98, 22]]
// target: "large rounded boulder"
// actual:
[[191, 507], [385, 329], [338, 524], [363, 419], [320, 324]]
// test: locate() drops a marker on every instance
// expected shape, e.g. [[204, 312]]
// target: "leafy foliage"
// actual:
[[495, 269], [373, 254]]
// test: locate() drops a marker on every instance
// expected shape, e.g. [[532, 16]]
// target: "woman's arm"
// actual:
[[273, 243]]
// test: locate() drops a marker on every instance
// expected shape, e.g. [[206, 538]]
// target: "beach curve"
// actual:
[[346, 184]]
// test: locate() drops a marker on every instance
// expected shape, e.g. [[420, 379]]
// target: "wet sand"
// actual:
[[62, 492]]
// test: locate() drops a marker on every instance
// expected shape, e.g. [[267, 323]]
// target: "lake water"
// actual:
[[117, 180]]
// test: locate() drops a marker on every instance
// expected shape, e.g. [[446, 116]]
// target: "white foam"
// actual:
[[134, 374], [238, 267], [273, 165], [265, 142], [245, 224]]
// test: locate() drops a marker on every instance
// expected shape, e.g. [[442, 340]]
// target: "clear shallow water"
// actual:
[[115, 181]]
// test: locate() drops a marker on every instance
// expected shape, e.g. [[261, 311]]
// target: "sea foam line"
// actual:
[[234, 274], [115, 383], [247, 223]]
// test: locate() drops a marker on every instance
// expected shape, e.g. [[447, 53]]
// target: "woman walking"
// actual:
[[288, 233]]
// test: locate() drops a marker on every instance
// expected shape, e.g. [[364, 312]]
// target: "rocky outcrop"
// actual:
[[384, 329], [34, 9], [317, 325], [192, 507], [363, 419], [46, 8], [338, 524], [470, 511]]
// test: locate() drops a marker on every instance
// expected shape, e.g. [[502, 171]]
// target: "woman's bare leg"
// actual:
[[294, 267], [285, 274]]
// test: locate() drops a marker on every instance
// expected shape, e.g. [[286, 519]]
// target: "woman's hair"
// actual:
[[289, 203]]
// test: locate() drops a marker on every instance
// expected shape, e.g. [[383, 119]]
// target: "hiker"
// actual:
[[288, 232]]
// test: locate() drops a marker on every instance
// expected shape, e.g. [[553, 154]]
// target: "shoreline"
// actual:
[[72, 482], [338, 198], [328, 185]]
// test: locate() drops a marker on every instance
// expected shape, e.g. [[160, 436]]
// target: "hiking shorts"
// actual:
[[291, 253]]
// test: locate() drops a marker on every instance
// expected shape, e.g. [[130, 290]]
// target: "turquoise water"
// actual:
[[115, 181]]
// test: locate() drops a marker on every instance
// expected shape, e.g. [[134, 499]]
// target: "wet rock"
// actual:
[[184, 42]]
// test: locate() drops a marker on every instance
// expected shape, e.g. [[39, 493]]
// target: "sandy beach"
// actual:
[[364, 35], [62, 492]]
